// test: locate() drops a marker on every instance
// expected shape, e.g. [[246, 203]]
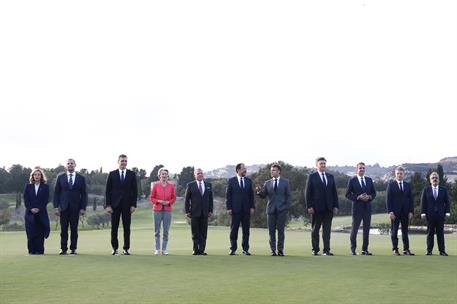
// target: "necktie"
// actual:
[[324, 180], [242, 183], [70, 180], [122, 176], [275, 185], [363, 183], [200, 188], [435, 192], [401, 186]]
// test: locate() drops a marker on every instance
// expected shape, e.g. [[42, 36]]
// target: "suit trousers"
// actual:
[[35, 235], [124, 212], [69, 217], [404, 221], [199, 228], [245, 220], [435, 224], [357, 218], [324, 219], [277, 221]]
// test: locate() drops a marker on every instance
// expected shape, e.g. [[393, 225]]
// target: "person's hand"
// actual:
[[257, 189], [56, 212], [392, 216], [189, 215], [229, 212], [311, 210], [132, 209], [210, 214], [82, 212], [165, 203], [335, 211], [448, 214], [35, 210], [252, 210], [423, 216], [109, 209], [410, 215]]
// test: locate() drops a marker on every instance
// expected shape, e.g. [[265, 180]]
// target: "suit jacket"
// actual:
[[440, 206], [354, 189], [237, 199], [397, 201], [119, 193], [281, 199], [74, 198], [195, 203], [319, 196], [38, 200]]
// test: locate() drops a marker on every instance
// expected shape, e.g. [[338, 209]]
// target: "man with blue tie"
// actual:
[[70, 201], [322, 203], [400, 206], [240, 206], [435, 206], [277, 190], [361, 192], [121, 194]]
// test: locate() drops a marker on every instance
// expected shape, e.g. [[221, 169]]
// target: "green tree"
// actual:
[[186, 176], [418, 183], [155, 171]]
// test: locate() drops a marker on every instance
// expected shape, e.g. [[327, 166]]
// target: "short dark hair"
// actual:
[[238, 167], [320, 158], [122, 156], [276, 165], [361, 163]]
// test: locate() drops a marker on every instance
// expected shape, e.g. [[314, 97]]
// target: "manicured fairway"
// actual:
[[94, 276]]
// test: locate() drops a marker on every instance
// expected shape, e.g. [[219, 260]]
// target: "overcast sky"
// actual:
[[211, 83]]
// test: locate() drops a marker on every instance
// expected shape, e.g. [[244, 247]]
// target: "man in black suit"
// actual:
[[361, 192], [199, 207], [277, 189], [435, 206], [322, 202], [120, 201], [70, 201], [240, 206], [400, 206]]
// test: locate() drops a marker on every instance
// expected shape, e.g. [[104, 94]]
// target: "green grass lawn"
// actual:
[[94, 276]]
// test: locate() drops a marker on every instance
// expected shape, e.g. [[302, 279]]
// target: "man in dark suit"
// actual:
[[120, 201], [277, 190], [240, 206], [199, 207], [400, 206], [322, 202], [70, 201], [361, 192], [435, 206]]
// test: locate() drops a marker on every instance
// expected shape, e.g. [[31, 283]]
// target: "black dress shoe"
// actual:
[[62, 252], [315, 252], [366, 252], [280, 253], [73, 252], [443, 253], [273, 253], [232, 252], [395, 252], [195, 252], [203, 253], [114, 252], [353, 252], [125, 252], [246, 252], [429, 253], [328, 253], [407, 252]]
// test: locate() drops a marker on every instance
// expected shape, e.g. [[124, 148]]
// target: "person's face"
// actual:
[[122, 163], [37, 176], [321, 165], [163, 176], [242, 171], [434, 179], [198, 175], [399, 175], [274, 172], [360, 170], [71, 164]]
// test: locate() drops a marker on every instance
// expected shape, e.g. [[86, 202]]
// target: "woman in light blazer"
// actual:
[[36, 197], [163, 195]]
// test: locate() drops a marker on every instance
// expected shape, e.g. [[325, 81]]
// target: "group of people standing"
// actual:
[[70, 201]]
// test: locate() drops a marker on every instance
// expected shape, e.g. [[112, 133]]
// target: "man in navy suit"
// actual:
[[322, 202], [361, 192], [400, 206], [199, 207], [121, 194], [277, 189], [435, 206], [240, 206], [70, 201]]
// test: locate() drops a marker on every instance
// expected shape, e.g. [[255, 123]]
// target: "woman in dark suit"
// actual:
[[36, 197]]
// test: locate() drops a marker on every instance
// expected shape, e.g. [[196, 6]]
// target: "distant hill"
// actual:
[[375, 171]]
